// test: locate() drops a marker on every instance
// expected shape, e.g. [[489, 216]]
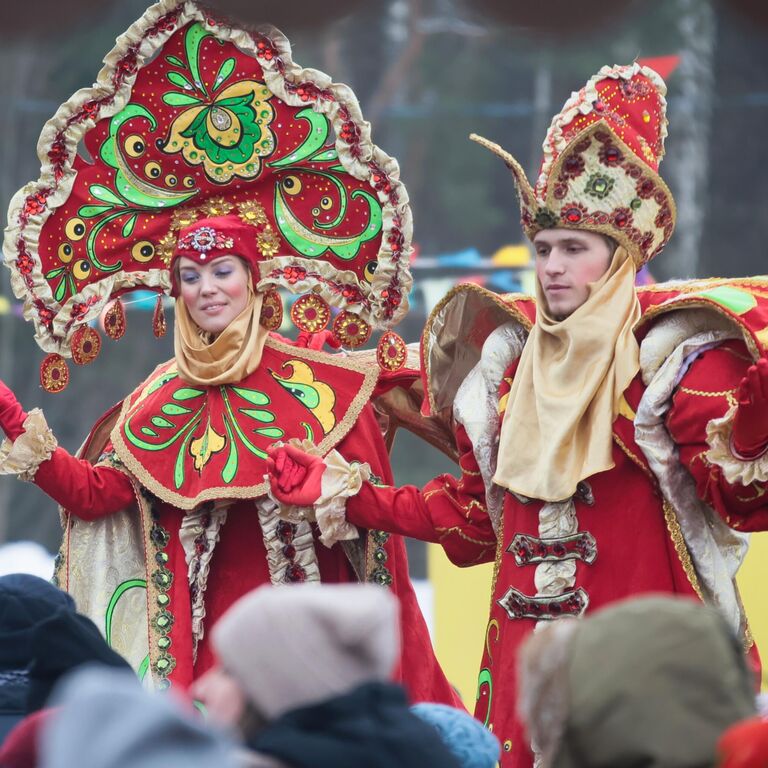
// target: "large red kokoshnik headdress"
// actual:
[[601, 162], [192, 119]]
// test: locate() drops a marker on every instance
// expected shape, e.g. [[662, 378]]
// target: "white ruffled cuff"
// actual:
[[340, 481], [736, 469], [35, 445]]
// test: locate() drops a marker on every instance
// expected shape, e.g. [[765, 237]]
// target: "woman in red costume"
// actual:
[[220, 171], [611, 441]]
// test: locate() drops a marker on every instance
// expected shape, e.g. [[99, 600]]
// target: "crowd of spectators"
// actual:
[[302, 680]]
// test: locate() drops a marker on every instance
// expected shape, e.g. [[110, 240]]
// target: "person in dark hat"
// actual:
[[25, 602], [42, 638]]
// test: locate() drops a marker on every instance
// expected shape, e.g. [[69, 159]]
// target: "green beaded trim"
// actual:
[[379, 574], [163, 620]]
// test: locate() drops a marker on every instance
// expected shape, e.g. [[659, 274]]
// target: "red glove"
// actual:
[[750, 425], [295, 476], [12, 415], [317, 340]]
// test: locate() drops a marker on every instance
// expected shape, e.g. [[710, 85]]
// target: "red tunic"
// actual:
[[629, 541]]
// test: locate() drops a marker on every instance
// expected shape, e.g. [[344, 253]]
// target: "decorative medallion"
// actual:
[[271, 311], [310, 313], [86, 345], [114, 320], [54, 373], [531, 549], [351, 330], [391, 352], [205, 239], [520, 606]]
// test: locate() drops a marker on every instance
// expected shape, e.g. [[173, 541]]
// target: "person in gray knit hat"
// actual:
[[106, 720], [303, 675], [652, 681]]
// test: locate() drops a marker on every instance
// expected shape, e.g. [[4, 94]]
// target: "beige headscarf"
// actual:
[[557, 429], [230, 357]]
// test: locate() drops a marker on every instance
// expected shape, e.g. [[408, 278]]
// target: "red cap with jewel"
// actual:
[[212, 238]]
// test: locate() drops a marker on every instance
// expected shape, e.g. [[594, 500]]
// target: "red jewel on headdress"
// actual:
[[310, 313], [54, 373], [86, 345], [351, 330], [159, 325], [271, 311], [114, 320], [572, 215], [391, 352]]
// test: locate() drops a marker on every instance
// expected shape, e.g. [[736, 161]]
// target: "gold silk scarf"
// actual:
[[230, 357], [558, 425]]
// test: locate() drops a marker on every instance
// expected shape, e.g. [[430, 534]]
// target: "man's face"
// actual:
[[567, 261]]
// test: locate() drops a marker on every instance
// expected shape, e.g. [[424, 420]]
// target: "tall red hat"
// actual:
[[601, 162]]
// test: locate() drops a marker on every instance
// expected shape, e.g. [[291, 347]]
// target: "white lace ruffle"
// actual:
[[340, 481], [35, 445], [736, 469]]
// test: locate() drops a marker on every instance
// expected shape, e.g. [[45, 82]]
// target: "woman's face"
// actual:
[[215, 293]]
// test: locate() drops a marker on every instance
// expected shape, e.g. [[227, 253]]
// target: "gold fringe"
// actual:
[[673, 526]]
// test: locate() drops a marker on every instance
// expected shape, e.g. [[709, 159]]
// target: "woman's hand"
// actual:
[[750, 424], [12, 415], [295, 476]]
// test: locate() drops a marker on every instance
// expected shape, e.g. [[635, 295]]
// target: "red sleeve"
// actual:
[[447, 511], [707, 391], [87, 491]]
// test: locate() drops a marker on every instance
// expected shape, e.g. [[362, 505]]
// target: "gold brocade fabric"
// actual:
[[234, 354], [557, 428]]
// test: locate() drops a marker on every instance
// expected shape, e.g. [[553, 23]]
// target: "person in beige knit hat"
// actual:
[[650, 681], [303, 675], [291, 646]]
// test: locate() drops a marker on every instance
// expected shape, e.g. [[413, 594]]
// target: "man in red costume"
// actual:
[[216, 169], [611, 442]]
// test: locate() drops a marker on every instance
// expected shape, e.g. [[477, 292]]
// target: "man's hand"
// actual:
[[12, 415], [750, 424], [295, 476]]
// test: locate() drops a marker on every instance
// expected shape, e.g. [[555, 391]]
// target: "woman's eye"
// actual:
[[223, 273], [188, 277]]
